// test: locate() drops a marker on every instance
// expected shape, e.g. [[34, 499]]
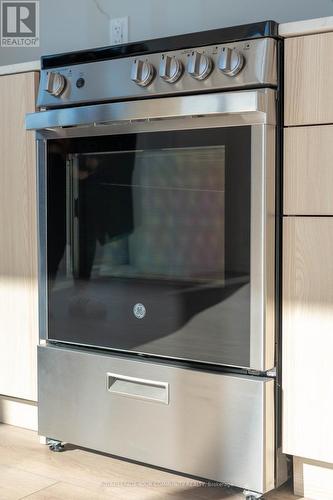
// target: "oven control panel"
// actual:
[[215, 67]]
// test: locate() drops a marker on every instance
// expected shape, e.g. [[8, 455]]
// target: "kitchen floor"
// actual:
[[29, 470]]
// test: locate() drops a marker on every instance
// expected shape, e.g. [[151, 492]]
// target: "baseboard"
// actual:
[[313, 479], [18, 412]]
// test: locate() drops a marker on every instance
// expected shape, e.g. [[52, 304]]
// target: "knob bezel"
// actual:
[[231, 61], [56, 83], [199, 65], [171, 68], [143, 72]]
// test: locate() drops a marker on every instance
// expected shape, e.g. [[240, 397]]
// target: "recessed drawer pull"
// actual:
[[132, 387]]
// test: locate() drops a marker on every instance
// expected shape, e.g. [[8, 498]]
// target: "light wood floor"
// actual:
[[29, 470]]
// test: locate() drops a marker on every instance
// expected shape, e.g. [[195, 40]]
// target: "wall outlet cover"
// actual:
[[119, 30]]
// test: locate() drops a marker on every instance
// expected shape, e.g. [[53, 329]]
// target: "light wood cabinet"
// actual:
[[309, 79], [313, 479], [307, 315], [308, 337], [18, 239], [308, 170]]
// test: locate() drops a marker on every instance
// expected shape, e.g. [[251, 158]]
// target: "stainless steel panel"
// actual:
[[111, 80], [169, 124], [262, 248], [216, 426], [42, 238], [229, 103]]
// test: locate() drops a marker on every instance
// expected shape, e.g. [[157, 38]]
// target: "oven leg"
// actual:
[[251, 495], [55, 445]]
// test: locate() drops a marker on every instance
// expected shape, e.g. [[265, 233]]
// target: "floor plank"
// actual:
[[78, 473], [61, 491], [15, 484]]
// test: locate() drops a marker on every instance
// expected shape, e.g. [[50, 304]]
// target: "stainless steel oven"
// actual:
[[157, 251]]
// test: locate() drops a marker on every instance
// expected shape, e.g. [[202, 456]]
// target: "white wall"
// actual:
[[76, 24], [154, 18]]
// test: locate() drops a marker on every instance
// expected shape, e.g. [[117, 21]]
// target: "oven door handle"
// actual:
[[256, 102]]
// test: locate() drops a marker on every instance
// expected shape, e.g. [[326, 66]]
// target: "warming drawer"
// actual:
[[213, 425]]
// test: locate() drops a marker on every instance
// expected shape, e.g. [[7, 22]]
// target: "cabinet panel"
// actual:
[[308, 337], [308, 170], [18, 239], [313, 479], [309, 80]]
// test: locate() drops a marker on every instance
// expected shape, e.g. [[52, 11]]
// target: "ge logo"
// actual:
[[139, 311]]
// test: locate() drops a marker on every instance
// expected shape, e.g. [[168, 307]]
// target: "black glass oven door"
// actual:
[[148, 243]]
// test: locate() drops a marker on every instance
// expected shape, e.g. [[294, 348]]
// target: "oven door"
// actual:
[[157, 224]]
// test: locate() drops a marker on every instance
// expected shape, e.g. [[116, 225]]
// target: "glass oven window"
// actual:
[[149, 243], [157, 215]]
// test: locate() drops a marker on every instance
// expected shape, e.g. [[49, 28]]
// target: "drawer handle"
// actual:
[[138, 388]]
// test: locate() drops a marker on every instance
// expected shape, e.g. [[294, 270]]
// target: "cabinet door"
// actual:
[[308, 337], [309, 79], [308, 170], [18, 238]]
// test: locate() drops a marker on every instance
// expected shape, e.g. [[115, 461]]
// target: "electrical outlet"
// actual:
[[119, 30]]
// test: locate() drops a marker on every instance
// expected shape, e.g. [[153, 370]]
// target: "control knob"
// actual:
[[142, 73], [199, 65], [171, 68], [55, 83], [231, 61]]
